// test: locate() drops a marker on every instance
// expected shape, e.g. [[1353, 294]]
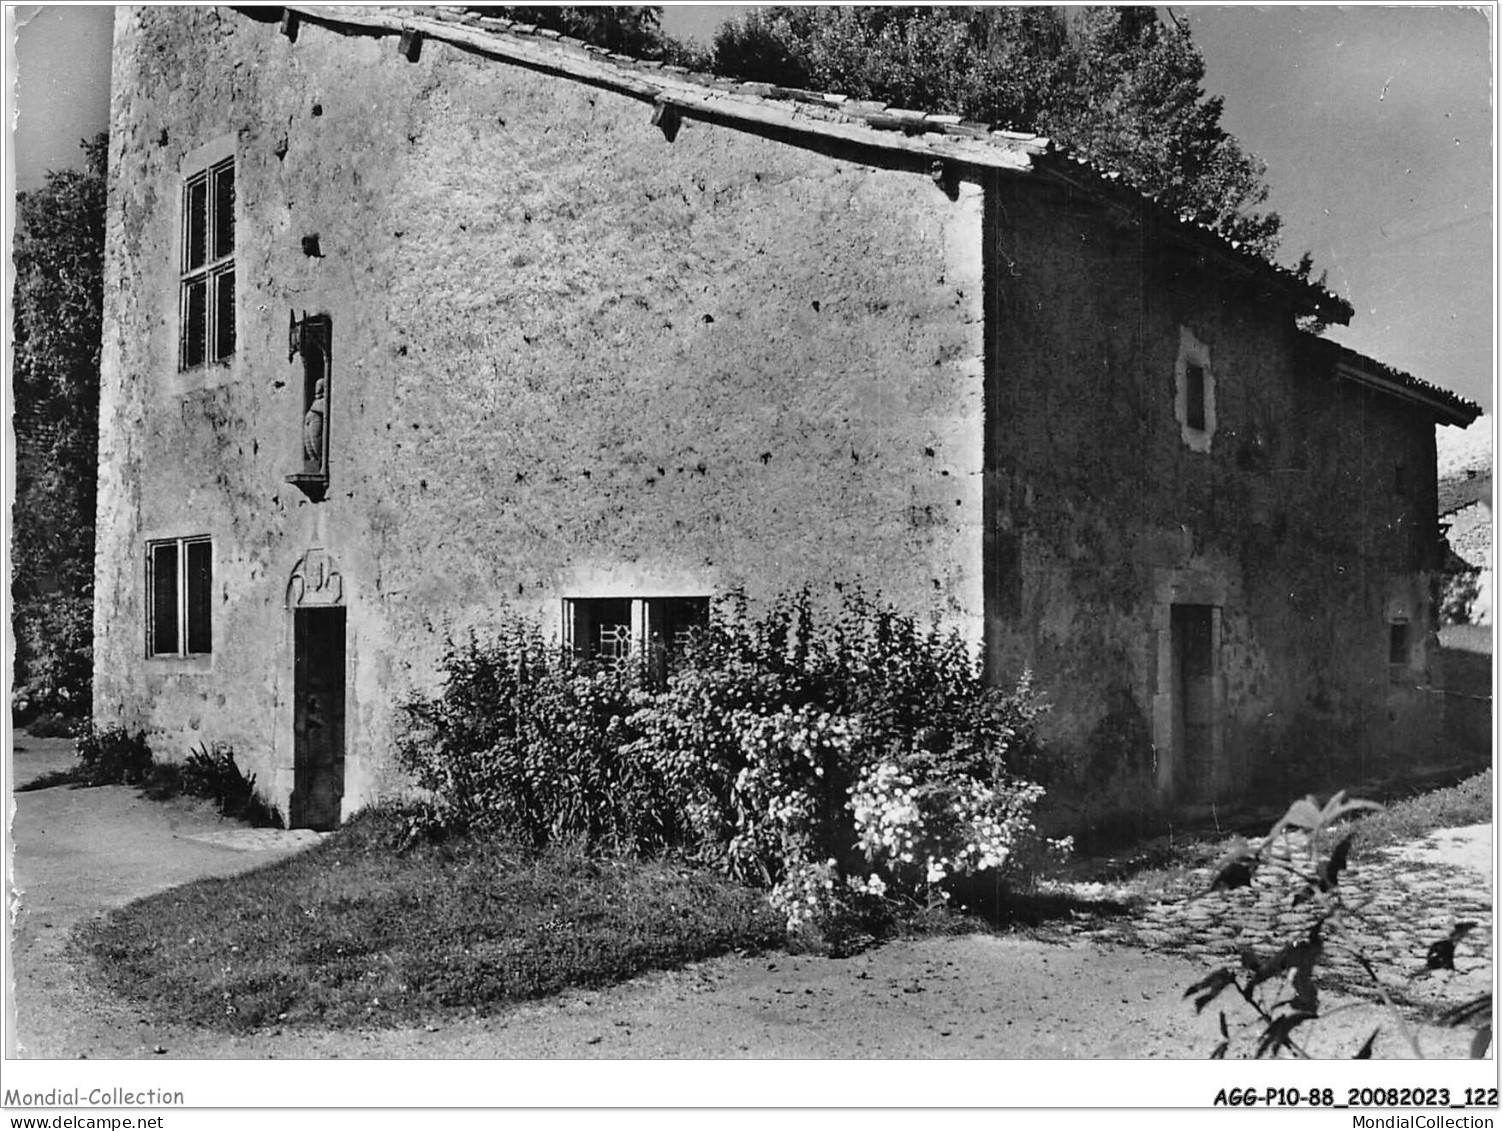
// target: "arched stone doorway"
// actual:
[[315, 598]]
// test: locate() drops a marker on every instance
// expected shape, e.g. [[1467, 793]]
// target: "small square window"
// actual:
[[1195, 397], [1398, 643], [603, 628], [1195, 392], [671, 621], [615, 628], [179, 587]]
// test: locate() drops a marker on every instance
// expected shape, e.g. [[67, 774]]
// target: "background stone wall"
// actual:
[[1295, 523]]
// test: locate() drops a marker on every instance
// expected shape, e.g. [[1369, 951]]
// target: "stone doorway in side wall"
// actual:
[[1186, 681], [1192, 630], [315, 596]]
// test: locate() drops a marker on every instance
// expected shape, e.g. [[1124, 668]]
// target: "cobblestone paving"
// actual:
[[1396, 908]]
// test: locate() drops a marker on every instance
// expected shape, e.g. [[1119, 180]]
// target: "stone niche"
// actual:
[[312, 339]]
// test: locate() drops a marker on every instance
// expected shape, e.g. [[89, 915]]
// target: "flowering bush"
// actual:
[[838, 762], [844, 761], [921, 832], [790, 800]]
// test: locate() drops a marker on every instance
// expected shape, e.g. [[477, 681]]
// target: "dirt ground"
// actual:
[[80, 852]]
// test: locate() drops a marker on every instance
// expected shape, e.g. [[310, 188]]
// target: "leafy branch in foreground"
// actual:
[[1280, 987]]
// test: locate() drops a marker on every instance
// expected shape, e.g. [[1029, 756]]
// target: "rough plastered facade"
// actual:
[[413, 320]]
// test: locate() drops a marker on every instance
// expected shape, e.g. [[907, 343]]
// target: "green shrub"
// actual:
[[210, 772], [844, 756], [834, 758], [112, 755], [54, 655], [521, 743]]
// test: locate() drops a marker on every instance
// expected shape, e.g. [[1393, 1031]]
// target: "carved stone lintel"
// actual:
[[315, 581]]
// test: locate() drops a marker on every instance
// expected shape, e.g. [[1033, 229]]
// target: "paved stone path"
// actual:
[[1397, 904], [257, 840]]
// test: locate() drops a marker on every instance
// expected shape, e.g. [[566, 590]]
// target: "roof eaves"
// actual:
[[1084, 173], [1448, 407], [874, 125], [706, 97]]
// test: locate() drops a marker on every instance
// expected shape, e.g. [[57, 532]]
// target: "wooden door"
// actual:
[[1194, 698], [318, 717]]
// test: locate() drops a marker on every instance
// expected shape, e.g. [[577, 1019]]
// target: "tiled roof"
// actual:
[[1327, 304], [1449, 407], [875, 125]]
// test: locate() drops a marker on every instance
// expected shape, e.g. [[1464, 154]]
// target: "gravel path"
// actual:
[[1098, 989]]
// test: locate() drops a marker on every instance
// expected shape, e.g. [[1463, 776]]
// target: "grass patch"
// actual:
[[1469, 802], [353, 933]]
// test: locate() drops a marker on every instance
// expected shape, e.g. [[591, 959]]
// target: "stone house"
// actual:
[[412, 317]]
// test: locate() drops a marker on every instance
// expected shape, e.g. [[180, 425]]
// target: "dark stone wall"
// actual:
[[1295, 523]]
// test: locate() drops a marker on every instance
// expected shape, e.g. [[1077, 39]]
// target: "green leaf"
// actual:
[[1338, 807], [1235, 867], [1329, 870], [1441, 955], [1209, 988], [1279, 1033], [1303, 814]]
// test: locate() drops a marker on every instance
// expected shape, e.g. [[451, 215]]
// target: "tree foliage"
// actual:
[[630, 30], [1113, 84], [58, 253]]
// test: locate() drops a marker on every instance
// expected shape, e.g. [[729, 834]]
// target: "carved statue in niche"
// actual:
[[313, 428], [312, 336]]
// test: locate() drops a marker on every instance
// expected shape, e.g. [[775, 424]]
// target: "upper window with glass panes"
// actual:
[[207, 299]]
